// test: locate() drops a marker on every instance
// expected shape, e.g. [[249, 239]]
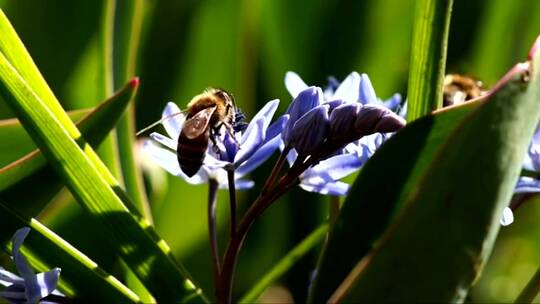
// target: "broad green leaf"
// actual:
[[428, 56], [16, 142], [437, 245], [392, 172], [81, 278], [90, 181], [33, 172]]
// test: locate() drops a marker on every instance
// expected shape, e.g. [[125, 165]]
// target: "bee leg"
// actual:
[[230, 129], [213, 134]]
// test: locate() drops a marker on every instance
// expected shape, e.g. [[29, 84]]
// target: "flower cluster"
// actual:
[[347, 119], [28, 287], [338, 130]]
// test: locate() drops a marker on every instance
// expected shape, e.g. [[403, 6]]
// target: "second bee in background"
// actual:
[[460, 88]]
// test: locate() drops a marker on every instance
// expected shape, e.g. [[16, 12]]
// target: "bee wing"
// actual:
[[198, 124]]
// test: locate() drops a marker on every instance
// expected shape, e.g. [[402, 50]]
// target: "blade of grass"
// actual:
[[16, 143], [32, 170], [108, 151], [127, 29], [428, 56], [81, 278], [94, 187], [128, 23]]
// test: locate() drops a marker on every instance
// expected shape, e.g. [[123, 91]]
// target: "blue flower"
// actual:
[[351, 105], [28, 287], [242, 154]]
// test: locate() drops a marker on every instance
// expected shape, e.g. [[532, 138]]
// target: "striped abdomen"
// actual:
[[191, 152]]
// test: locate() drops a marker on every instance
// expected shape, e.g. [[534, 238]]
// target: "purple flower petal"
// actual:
[[47, 282], [20, 261], [251, 142], [255, 132], [275, 128], [239, 184], [294, 84], [259, 157], [532, 158], [527, 184], [172, 120], [336, 188], [292, 156], [393, 102], [348, 90], [334, 168], [167, 160], [32, 286], [367, 92], [164, 140], [7, 278]]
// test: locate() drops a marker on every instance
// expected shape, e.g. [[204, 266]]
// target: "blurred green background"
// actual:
[[246, 46]]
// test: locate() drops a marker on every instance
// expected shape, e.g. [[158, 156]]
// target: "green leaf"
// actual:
[[81, 278], [128, 23], [90, 181], [392, 171], [33, 172], [428, 56], [437, 245]]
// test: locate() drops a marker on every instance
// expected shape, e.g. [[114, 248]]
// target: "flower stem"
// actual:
[[212, 232], [225, 282], [265, 199], [275, 171], [232, 201]]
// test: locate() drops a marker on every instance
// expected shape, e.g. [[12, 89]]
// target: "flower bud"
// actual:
[[342, 120], [311, 130], [372, 119], [304, 102]]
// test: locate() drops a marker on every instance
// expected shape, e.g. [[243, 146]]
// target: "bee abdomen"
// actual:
[[191, 152]]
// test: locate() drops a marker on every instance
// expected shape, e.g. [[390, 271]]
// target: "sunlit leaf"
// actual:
[[438, 243]]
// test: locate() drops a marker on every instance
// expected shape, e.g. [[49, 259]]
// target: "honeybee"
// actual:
[[459, 89], [207, 113]]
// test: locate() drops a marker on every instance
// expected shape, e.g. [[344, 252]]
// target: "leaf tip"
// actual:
[[134, 83]]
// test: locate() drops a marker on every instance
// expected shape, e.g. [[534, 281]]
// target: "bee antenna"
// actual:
[[157, 123]]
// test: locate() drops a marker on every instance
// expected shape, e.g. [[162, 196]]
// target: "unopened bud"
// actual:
[[342, 120], [372, 119], [304, 102], [311, 130]]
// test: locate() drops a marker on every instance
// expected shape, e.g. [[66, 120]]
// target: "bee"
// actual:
[[207, 113], [459, 89]]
